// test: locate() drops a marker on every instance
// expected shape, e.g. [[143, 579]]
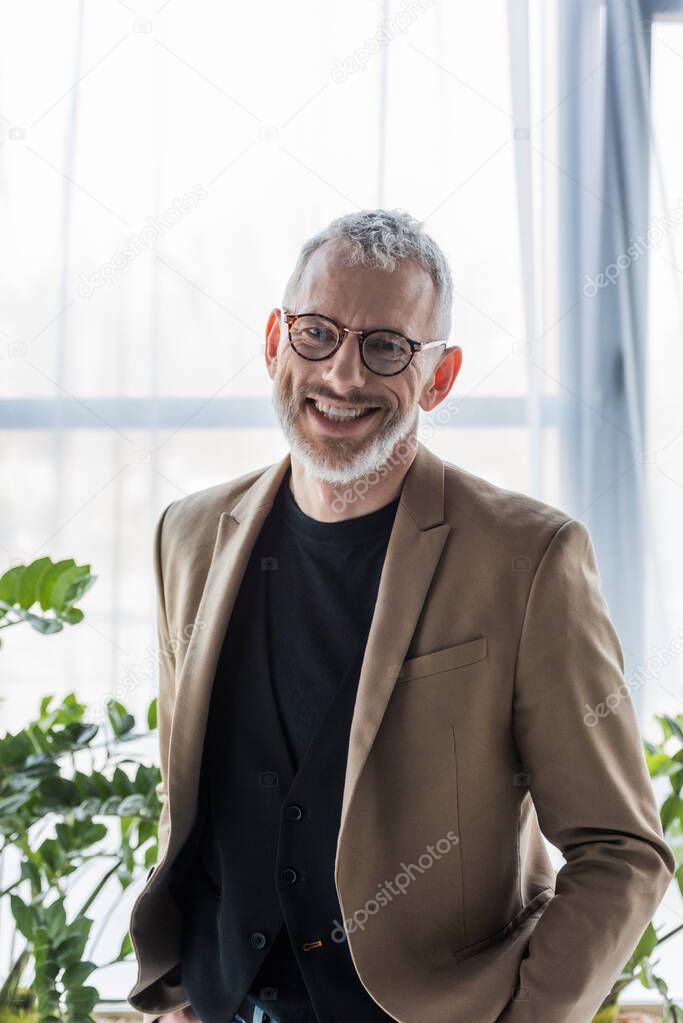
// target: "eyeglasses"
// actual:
[[382, 351]]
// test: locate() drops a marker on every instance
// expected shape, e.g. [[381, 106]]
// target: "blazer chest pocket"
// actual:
[[451, 657]]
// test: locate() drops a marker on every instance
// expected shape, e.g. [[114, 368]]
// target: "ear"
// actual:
[[441, 379], [272, 345]]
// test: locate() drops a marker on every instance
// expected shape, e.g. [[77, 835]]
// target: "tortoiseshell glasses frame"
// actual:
[[383, 334]]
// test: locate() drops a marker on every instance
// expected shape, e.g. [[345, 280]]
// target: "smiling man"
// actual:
[[348, 402], [382, 707]]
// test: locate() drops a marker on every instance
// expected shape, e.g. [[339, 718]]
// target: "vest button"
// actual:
[[293, 812], [288, 876], [258, 940]]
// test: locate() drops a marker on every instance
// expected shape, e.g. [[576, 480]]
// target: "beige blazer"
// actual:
[[477, 727]]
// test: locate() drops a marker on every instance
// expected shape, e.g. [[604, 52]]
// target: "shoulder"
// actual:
[[514, 519], [198, 512]]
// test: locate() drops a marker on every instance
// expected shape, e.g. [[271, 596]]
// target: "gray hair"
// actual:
[[377, 239]]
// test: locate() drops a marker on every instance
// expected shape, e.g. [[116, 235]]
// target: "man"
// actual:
[[384, 703]]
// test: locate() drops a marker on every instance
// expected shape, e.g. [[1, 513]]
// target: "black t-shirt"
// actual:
[[321, 582]]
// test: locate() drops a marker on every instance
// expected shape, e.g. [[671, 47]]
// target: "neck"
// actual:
[[330, 502]]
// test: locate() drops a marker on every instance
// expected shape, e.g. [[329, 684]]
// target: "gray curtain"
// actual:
[[598, 167]]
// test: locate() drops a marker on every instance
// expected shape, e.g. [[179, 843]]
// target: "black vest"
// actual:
[[261, 853]]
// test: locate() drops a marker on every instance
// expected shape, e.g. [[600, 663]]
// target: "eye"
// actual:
[[317, 334], [389, 347]]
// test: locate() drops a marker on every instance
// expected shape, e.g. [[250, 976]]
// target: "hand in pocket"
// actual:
[[186, 1015]]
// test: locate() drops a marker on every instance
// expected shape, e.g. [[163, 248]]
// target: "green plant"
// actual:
[[54, 586], [665, 761], [72, 800]]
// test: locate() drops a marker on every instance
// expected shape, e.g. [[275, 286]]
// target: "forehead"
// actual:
[[360, 297]]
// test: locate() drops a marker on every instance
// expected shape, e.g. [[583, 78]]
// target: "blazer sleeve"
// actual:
[[589, 783], [166, 691], [170, 984]]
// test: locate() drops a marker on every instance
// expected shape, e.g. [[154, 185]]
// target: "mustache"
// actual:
[[348, 399]]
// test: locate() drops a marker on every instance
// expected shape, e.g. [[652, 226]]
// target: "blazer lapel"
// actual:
[[415, 545], [237, 532]]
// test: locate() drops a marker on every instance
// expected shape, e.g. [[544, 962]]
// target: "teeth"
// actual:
[[334, 412]]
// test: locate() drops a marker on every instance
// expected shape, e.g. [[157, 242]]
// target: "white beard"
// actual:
[[327, 467]]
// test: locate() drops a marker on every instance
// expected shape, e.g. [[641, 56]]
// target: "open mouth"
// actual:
[[334, 419], [338, 415]]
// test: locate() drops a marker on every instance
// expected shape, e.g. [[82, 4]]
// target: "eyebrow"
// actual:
[[394, 330]]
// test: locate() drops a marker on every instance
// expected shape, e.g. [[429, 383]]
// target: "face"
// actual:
[[341, 451]]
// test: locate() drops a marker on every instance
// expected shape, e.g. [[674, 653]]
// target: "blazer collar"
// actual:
[[422, 495]]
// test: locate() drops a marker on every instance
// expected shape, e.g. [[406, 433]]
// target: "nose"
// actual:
[[345, 371]]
